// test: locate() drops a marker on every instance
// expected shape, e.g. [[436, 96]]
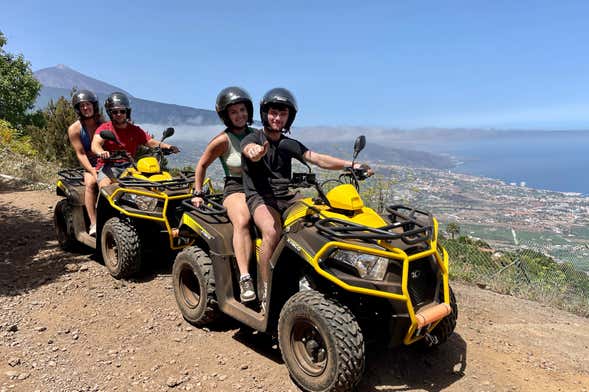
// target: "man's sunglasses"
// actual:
[[115, 111]]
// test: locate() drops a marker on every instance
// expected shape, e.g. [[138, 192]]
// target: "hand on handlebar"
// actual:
[[168, 149], [363, 170], [173, 149], [197, 201], [104, 154]]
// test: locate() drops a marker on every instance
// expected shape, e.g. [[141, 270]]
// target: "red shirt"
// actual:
[[130, 138]]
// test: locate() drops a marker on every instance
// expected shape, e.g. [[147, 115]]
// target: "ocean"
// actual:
[[557, 161]]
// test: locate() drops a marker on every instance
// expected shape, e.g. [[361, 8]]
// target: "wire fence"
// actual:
[[549, 269], [525, 270]]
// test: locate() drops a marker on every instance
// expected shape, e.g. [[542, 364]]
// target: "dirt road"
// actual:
[[66, 325]]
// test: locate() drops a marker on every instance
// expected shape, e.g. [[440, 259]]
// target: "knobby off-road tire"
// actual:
[[121, 248], [321, 343], [194, 286], [446, 327], [63, 222]]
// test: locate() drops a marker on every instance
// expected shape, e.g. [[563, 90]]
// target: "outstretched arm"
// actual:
[[97, 143], [154, 143], [214, 150], [326, 161], [332, 163]]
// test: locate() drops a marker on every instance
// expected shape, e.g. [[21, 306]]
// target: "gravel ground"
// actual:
[[66, 325]]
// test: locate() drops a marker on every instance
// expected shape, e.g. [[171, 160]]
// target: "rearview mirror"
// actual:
[[108, 135], [168, 132], [359, 145]]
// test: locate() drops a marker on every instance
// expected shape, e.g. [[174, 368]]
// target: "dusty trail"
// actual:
[[66, 325]]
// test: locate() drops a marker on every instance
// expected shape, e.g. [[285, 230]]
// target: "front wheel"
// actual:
[[63, 222], [121, 248], [321, 343], [194, 286]]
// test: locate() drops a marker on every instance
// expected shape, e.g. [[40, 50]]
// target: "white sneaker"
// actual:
[[246, 288], [92, 230]]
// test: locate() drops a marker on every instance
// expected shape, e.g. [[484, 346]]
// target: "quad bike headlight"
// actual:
[[141, 202], [369, 266]]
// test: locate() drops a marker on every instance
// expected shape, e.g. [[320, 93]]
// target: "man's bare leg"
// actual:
[[269, 222]]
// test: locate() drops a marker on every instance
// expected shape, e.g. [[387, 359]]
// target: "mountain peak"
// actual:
[[62, 76], [59, 80]]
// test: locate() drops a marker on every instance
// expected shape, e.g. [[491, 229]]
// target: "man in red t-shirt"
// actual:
[[129, 136]]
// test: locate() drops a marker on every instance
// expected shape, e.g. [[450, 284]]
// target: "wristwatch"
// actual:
[[198, 193]]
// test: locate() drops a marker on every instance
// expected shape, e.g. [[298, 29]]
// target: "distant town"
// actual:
[[502, 214]]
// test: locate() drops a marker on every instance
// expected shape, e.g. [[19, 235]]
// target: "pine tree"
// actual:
[[52, 140]]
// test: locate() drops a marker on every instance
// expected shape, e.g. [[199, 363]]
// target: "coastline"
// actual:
[[522, 183], [489, 208]]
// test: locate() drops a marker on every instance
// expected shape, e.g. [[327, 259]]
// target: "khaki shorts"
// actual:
[[112, 170]]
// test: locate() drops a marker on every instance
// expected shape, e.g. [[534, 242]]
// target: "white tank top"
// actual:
[[231, 159]]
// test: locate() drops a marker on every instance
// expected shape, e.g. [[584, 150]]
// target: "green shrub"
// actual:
[[12, 139], [51, 140]]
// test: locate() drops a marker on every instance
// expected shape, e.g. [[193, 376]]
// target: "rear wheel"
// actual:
[[194, 286], [63, 222], [321, 343], [121, 248]]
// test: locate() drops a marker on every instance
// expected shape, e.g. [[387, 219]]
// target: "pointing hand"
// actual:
[[255, 152]]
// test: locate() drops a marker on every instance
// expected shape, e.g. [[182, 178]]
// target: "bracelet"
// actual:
[[198, 194]]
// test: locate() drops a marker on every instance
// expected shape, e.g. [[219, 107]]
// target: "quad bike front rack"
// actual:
[[410, 225]]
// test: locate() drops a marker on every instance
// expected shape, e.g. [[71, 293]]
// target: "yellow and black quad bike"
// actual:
[[341, 276], [136, 215]]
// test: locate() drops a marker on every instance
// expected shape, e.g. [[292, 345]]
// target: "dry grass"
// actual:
[[26, 170]]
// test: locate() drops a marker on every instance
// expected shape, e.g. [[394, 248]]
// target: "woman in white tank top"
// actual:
[[235, 108]]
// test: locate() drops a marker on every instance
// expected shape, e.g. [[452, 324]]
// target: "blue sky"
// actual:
[[409, 64]]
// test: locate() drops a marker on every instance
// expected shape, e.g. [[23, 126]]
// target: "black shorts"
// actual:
[[232, 185], [280, 204]]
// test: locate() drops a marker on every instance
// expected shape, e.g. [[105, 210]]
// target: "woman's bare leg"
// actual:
[[90, 196], [240, 218]]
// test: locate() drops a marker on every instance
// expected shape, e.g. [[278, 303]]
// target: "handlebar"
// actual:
[[363, 172], [360, 174], [118, 155]]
